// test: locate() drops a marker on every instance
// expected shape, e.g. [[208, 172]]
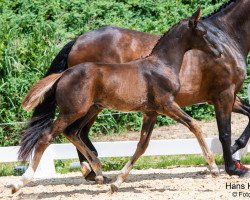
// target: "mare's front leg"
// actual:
[[241, 107], [223, 107], [173, 110], [147, 128]]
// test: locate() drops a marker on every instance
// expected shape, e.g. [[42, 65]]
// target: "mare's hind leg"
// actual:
[[147, 128], [41, 146], [174, 111], [243, 108]]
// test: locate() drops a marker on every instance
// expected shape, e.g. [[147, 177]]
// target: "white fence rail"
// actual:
[[113, 149]]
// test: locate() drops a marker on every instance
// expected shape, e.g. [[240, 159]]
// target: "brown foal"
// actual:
[[148, 85], [202, 77]]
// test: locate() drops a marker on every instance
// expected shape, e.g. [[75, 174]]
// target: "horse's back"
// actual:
[[111, 45]]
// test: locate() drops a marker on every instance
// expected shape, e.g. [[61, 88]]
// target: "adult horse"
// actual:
[[148, 85], [203, 79]]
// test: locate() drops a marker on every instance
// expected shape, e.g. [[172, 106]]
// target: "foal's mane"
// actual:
[[163, 35], [222, 8]]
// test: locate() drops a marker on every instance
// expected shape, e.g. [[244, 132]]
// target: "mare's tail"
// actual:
[[42, 98]]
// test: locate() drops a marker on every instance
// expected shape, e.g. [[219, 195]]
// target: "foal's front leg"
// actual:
[[147, 128], [174, 111]]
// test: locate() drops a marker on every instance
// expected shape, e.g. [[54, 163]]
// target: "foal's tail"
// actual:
[[44, 111], [36, 94], [37, 125]]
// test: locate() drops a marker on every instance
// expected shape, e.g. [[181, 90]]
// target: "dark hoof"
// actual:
[[114, 188], [91, 176], [99, 180], [238, 165], [107, 180], [234, 171]]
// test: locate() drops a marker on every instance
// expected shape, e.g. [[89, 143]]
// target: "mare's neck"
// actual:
[[235, 21]]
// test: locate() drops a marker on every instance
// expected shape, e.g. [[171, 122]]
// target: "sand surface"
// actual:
[[176, 183]]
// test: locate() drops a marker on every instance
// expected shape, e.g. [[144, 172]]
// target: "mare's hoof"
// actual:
[[114, 188], [235, 171], [99, 180], [238, 165]]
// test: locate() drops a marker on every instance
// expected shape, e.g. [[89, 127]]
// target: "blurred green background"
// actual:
[[33, 31]]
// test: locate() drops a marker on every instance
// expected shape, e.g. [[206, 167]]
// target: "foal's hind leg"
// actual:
[[83, 133], [175, 112], [147, 128], [81, 127], [91, 157], [41, 146]]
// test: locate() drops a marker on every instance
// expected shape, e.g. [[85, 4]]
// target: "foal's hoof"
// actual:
[[114, 188], [14, 189], [106, 180], [99, 180], [214, 170], [91, 176], [85, 169]]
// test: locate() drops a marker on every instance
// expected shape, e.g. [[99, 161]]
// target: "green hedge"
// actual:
[[33, 31]]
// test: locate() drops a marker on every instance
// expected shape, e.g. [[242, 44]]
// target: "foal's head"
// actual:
[[190, 33], [200, 38]]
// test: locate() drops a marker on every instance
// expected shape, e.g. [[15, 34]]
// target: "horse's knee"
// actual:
[[195, 127], [241, 142], [45, 140], [225, 138]]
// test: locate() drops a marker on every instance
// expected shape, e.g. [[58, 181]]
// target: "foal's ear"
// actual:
[[194, 18]]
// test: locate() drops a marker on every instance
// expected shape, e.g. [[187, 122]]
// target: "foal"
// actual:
[[147, 85]]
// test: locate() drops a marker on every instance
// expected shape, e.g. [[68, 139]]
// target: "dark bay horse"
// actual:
[[202, 78], [148, 85]]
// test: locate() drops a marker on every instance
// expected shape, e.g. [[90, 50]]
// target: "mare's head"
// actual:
[[199, 37]]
